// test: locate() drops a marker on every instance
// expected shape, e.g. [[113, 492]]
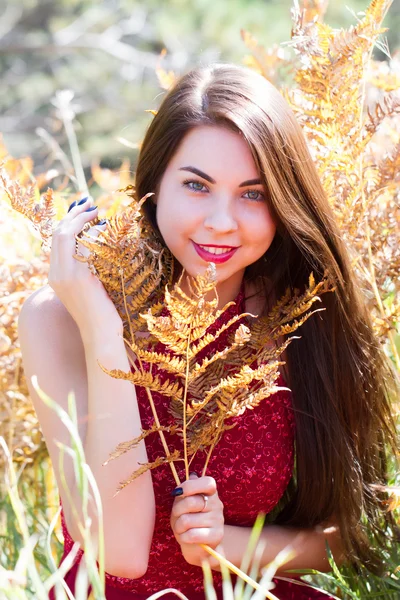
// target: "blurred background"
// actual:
[[106, 54]]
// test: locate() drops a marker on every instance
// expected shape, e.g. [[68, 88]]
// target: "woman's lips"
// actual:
[[215, 258]]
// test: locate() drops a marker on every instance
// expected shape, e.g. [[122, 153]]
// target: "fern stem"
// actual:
[[194, 416], [163, 440], [191, 459], [184, 409], [121, 272], [148, 392], [208, 459]]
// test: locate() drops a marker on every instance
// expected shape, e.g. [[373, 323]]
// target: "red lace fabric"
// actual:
[[252, 465]]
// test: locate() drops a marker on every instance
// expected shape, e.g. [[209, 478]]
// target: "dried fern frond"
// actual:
[[146, 379], [27, 201], [313, 10], [232, 401], [345, 101], [18, 421], [282, 320], [211, 390], [124, 447], [349, 108], [269, 62], [161, 460], [184, 330], [228, 386], [130, 262], [169, 363]]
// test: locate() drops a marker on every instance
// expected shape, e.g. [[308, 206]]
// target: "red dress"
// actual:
[[252, 465]]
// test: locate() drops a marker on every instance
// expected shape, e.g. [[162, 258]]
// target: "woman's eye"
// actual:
[[260, 195], [195, 186]]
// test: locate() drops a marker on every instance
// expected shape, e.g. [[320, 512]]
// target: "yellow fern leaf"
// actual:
[[124, 447], [146, 379], [161, 460]]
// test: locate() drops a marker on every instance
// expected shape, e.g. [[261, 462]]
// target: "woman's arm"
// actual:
[[309, 545], [114, 417], [196, 523], [64, 360]]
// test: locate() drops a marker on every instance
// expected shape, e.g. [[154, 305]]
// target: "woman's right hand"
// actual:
[[81, 292]]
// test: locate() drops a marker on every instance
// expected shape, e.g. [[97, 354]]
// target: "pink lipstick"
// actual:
[[215, 258]]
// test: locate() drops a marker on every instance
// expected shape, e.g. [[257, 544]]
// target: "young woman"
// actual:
[[235, 184]]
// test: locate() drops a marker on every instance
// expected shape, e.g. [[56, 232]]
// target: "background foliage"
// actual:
[[107, 53]]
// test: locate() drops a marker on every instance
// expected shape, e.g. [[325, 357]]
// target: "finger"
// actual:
[[92, 232], [189, 504], [63, 243], [211, 536], [201, 485], [194, 521], [85, 199]]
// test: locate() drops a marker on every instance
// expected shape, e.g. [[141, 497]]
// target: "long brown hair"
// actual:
[[341, 381]]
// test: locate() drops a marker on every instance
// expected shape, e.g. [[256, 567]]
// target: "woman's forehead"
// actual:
[[215, 150]]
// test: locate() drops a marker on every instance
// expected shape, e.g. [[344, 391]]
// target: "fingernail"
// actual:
[[83, 201], [72, 205], [91, 208], [177, 492], [195, 474], [102, 222]]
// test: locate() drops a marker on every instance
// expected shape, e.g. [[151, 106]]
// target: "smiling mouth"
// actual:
[[217, 249], [217, 254]]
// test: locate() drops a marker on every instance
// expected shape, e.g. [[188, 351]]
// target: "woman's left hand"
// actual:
[[196, 521]]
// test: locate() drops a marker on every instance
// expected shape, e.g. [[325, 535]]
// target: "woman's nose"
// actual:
[[221, 220]]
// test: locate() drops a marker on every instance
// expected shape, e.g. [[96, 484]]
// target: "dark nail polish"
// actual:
[[83, 201], [102, 222], [177, 492], [91, 208], [72, 205]]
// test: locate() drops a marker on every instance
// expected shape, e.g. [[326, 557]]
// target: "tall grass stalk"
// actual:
[[63, 102], [17, 583], [27, 564], [84, 477]]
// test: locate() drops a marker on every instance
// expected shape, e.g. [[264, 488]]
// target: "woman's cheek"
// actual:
[[263, 232], [168, 221]]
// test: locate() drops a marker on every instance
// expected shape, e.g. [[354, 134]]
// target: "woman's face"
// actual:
[[211, 195]]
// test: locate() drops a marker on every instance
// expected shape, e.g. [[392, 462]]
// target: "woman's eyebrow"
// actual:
[[211, 180]]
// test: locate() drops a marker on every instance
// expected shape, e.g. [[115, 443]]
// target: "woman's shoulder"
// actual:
[[46, 309]]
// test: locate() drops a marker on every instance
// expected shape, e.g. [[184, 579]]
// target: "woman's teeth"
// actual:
[[212, 250]]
